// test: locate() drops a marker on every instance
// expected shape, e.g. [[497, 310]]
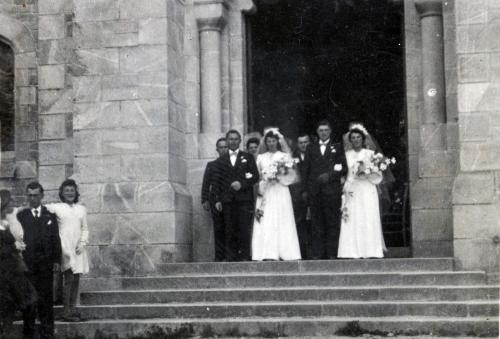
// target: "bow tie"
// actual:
[[324, 143], [233, 152]]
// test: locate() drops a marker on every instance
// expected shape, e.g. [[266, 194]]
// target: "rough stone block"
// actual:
[[121, 141], [495, 66], [474, 188], [97, 61], [144, 112], [26, 169], [120, 87], [96, 10], [26, 60], [96, 169], [145, 167], [87, 88], [206, 142], [475, 127], [98, 115], [476, 254], [480, 97], [87, 142], [183, 231], [143, 59], [433, 136], [432, 249], [471, 12], [431, 193], [54, 6], [478, 38], [155, 139], [473, 67], [27, 95], [56, 101], [437, 164], [432, 225], [55, 152], [26, 132], [153, 31], [119, 197], [22, 77], [98, 34], [51, 76], [155, 197], [51, 27], [479, 156], [130, 9], [183, 198], [476, 221], [177, 142], [52, 126], [177, 169], [51, 176], [91, 196]]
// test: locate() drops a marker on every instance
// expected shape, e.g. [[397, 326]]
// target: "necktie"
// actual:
[[36, 213]]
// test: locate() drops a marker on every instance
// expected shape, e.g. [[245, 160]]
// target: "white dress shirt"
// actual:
[[38, 211], [322, 146], [233, 155]]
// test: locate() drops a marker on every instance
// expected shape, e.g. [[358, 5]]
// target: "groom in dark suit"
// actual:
[[42, 257], [325, 169], [235, 175]]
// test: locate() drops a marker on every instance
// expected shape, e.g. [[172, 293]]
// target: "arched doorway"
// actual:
[[342, 60], [7, 107]]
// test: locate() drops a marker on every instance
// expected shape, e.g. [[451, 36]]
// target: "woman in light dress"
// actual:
[[361, 229], [73, 231], [274, 231]]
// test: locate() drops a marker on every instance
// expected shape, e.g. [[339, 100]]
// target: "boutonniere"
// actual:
[[248, 175], [49, 222], [332, 149], [243, 160]]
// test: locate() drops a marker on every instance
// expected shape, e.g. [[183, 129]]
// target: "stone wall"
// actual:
[[476, 190]]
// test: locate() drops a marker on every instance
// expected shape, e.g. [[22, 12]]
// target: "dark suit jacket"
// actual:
[[41, 236], [245, 171], [207, 188], [296, 188], [316, 164]]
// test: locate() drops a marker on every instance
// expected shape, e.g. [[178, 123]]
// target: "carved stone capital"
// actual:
[[211, 15], [429, 7]]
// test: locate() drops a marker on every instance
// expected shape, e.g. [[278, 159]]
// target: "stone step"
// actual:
[[428, 293], [285, 280], [358, 265], [275, 327], [292, 309]]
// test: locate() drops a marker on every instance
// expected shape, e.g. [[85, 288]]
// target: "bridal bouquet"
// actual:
[[279, 167], [378, 163]]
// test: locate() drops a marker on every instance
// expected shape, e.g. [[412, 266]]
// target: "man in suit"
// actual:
[[42, 256], [325, 169], [300, 206], [208, 201], [236, 174]]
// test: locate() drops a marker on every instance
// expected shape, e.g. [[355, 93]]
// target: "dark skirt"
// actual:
[[16, 291]]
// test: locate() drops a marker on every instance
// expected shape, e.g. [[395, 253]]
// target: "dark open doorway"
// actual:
[[337, 59]]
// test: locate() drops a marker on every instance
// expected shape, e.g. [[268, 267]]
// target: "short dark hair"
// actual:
[[233, 131], [66, 183], [34, 185], [219, 140], [303, 134], [358, 131], [324, 122], [253, 141]]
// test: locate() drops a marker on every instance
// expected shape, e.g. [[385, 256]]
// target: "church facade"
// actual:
[[128, 98]]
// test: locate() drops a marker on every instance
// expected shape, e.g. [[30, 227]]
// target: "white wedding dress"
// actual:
[[275, 235], [361, 231]]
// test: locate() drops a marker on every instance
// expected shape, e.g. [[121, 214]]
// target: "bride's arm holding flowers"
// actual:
[[287, 172]]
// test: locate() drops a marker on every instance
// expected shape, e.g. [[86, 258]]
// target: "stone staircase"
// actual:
[[305, 298]]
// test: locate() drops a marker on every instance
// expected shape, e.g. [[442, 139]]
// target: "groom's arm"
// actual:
[[245, 182]]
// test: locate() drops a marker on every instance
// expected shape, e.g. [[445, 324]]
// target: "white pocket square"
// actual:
[[337, 167], [243, 160], [248, 175], [49, 222]]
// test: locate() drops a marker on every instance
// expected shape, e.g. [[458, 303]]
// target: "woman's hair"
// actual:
[[253, 141], [65, 183], [357, 131], [273, 135]]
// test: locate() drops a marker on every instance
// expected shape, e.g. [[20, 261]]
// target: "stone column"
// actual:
[[433, 85], [211, 18]]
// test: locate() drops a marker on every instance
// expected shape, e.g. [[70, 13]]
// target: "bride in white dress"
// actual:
[[361, 230], [274, 231]]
